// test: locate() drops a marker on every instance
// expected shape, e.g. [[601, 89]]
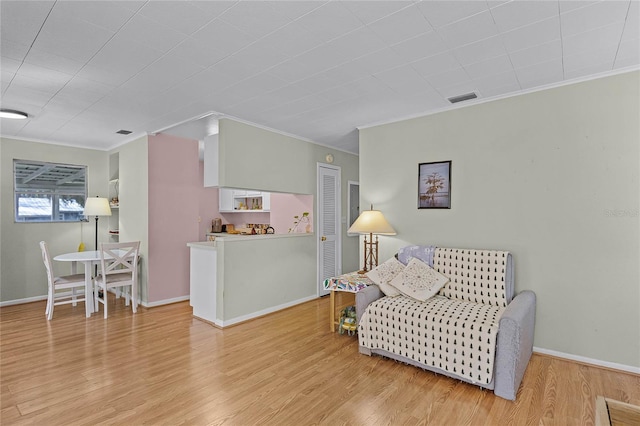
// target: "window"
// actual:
[[48, 192]]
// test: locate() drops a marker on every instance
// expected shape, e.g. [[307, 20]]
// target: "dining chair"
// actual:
[[73, 284], [118, 270]]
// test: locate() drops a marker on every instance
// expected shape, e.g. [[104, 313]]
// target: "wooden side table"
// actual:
[[345, 283]]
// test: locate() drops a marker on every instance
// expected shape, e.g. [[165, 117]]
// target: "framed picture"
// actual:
[[434, 185]]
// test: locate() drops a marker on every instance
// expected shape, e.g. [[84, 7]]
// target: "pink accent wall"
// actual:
[[285, 206], [176, 199]]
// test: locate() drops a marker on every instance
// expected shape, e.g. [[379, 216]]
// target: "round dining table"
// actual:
[[88, 258]]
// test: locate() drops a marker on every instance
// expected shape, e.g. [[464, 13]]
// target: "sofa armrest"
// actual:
[[364, 297], [515, 344]]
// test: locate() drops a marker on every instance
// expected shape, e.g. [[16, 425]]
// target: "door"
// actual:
[[328, 219]]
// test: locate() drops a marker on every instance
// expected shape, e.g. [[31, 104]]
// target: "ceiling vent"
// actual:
[[461, 98], [124, 132]]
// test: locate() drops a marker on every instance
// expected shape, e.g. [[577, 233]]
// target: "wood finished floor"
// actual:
[[161, 366]]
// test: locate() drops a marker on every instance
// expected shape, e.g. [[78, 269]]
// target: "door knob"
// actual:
[[323, 238]]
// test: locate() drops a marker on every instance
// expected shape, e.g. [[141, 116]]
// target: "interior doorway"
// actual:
[[328, 219]]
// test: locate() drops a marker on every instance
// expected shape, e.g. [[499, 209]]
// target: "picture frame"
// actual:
[[434, 185]]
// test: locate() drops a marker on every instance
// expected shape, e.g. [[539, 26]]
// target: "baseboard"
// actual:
[[164, 302], [21, 301], [263, 312], [591, 361]]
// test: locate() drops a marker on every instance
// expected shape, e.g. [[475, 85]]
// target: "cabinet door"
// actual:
[[225, 197], [266, 201]]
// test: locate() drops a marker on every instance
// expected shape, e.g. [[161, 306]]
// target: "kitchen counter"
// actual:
[[239, 277], [240, 237]]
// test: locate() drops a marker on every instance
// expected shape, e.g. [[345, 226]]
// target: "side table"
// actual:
[[352, 282]]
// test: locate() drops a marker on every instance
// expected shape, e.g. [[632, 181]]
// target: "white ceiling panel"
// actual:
[[255, 18], [125, 56], [370, 11], [489, 67], [26, 20], [12, 50], [593, 16], [422, 46], [532, 35], [602, 56], [152, 34], [495, 84], [480, 51], [436, 64], [106, 14], [449, 78], [597, 39], [515, 14], [184, 17], [53, 62], [540, 74], [373, 63], [316, 69], [440, 14], [402, 25], [331, 20], [404, 80], [469, 30], [536, 54], [71, 38]]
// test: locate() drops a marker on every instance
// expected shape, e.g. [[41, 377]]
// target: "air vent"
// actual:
[[124, 132], [461, 98]]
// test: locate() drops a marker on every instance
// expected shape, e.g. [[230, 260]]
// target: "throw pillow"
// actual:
[[419, 280], [383, 274]]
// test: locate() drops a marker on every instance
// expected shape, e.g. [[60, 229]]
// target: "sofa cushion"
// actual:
[[419, 280], [452, 335], [478, 276], [384, 273]]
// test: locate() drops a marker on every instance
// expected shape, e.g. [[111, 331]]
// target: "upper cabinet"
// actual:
[[240, 200]]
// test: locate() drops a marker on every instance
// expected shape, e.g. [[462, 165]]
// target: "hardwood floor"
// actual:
[[161, 366]]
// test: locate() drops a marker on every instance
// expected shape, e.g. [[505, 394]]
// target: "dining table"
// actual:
[[88, 258]]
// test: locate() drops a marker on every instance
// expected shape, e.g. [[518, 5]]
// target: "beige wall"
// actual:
[[551, 176], [22, 275], [134, 201], [254, 158]]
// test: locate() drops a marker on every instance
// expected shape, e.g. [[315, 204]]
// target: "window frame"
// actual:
[[55, 192]]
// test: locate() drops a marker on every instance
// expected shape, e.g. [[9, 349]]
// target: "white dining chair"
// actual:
[[118, 270], [64, 289]]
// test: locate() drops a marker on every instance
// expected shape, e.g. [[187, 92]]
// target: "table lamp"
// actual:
[[371, 222], [96, 206]]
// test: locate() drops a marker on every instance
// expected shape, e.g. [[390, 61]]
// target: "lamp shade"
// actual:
[[96, 206], [372, 222]]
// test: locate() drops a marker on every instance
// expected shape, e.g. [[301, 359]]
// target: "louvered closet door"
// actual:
[[329, 241]]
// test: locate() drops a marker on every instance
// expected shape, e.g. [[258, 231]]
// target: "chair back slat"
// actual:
[[46, 258], [118, 258]]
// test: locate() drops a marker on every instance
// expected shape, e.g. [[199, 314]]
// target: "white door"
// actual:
[[328, 220]]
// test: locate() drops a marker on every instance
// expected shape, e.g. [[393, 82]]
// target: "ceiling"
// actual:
[[318, 70]]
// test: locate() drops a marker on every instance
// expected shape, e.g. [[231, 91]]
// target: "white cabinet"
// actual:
[[240, 200], [225, 197], [202, 283]]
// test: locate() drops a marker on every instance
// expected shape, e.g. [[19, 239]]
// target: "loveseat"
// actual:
[[473, 329]]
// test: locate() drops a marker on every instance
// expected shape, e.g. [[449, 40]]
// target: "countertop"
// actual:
[[239, 237]]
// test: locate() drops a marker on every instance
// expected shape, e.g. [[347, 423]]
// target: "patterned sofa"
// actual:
[[473, 330]]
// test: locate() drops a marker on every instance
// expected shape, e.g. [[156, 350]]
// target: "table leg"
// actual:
[[88, 289], [332, 313]]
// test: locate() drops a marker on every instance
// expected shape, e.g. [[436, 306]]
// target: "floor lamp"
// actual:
[[96, 206], [371, 222]]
